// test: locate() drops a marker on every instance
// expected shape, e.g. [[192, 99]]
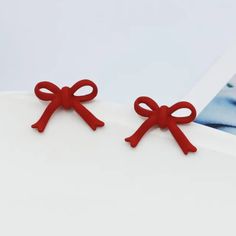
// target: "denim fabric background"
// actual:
[[220, 113]]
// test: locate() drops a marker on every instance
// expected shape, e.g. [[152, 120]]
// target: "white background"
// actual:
[[159, 48]]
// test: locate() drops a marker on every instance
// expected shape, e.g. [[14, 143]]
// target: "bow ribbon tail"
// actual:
[[87, 116], [41, 124], [180, 138], [142, 130]]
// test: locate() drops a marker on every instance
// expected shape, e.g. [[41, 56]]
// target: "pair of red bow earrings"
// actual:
[[157, 116]]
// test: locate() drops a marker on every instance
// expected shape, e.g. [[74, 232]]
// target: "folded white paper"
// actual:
[[70, 180]]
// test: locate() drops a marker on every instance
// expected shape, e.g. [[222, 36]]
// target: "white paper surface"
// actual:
[[73, 181], [214, 80]]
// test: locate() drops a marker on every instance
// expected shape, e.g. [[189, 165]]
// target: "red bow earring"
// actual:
[[162, 117], [67, 99]]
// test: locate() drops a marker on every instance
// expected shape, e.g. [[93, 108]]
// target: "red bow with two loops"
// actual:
[[162, 117], [67, 99]]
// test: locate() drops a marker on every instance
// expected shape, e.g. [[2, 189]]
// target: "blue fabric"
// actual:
[[221, 111]]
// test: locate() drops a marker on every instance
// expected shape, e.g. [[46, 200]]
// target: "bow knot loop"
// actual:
[[67, 99]]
